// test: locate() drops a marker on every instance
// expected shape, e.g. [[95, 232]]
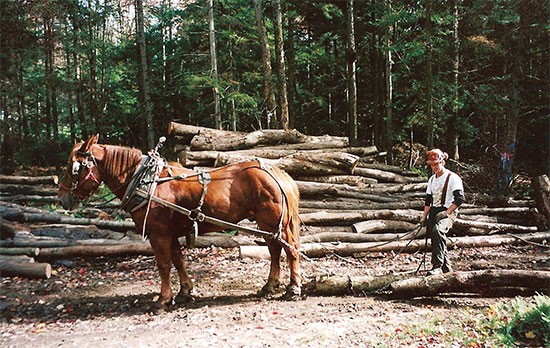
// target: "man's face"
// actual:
[[436, 167]]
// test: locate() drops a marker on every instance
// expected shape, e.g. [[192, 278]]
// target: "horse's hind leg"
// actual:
[[186, 285], [273, 280], [294, 289]]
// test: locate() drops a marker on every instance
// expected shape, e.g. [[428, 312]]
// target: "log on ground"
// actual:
[[484, 282], [29, 180], [342, 285], [348, 249], [31, 270]]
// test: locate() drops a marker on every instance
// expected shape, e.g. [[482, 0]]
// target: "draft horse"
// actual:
[[247, 190]]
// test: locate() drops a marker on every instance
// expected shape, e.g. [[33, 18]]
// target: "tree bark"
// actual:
[[333, 163], [281, 73], [29, 180], [269, 94], [380, 175], [352, 73], [16, 268], [358, 285], [484, 282], [348, 249], [144, 75], [28, 190], [382, 225], [214, 65], [350, 217]]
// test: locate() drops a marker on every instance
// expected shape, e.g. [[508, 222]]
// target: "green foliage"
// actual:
[[95, 78], [521, 323]]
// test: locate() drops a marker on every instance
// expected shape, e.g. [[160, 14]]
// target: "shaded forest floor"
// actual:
[[107, 302]]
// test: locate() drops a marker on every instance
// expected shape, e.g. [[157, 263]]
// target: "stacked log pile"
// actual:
[[350, 203]]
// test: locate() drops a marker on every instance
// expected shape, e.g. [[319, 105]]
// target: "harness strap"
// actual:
[[196, 215], [444, 191], [208, 219]]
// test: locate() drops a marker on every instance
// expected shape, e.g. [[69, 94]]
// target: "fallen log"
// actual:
[[350, 217], [358, 285], [380, 175], [8, 229], [483, 282], [127, 249], [343, 237], [491, 211], [29, 180], [185, 132], [495, 227], [30, 198], [308, 187], [333, 163], [32, 252], [352, 180], [18, 258], [341, 203], [209, 141], [382, 225], [270, 152], [30, 270], [348, 249], [28, 190], [388, 168], [62, 219]]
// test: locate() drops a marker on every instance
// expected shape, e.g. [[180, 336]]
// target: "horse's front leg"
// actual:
[[162, 249], [273, 280], [186, 285]]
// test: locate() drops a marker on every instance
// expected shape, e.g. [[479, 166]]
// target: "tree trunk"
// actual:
[[269, 94], [352, 74], [214, 65], [429, 88], [302, 164], [382, 225], [357, 285], [28, 190], [350, 217], [144, 75], [348, 249], [127, 249], [484, 282], [281, 74], [17, 268]]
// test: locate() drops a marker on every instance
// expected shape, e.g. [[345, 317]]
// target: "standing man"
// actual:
[[444, 194]]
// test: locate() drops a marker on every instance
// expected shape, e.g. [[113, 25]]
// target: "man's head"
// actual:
[[436, 157]]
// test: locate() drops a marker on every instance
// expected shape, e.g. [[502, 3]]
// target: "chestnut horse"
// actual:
[[246, 190]]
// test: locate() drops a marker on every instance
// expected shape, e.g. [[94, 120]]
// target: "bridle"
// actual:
[[75, 172]]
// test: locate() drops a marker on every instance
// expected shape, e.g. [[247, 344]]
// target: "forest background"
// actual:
[[468, 76]]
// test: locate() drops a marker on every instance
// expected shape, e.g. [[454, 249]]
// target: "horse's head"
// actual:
[[82, 177]]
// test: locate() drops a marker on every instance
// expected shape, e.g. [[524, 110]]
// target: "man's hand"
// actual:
[[441, 215]]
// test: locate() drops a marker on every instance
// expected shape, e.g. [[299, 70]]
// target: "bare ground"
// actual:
[[106, 302]]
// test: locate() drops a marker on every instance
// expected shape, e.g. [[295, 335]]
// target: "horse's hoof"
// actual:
[[268, 291], [160, 307], [183, 298], [293, 293]]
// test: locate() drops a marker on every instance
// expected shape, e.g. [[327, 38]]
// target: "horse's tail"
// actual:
[[292, 199]]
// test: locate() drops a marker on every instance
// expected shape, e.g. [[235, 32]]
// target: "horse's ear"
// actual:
[[89, 143]]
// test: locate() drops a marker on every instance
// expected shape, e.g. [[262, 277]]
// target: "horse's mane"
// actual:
[[121, 161]]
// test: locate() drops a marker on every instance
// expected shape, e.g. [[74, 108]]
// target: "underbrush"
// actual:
[[521, 322]]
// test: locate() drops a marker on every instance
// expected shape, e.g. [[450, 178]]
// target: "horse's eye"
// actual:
[[76, 168]]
